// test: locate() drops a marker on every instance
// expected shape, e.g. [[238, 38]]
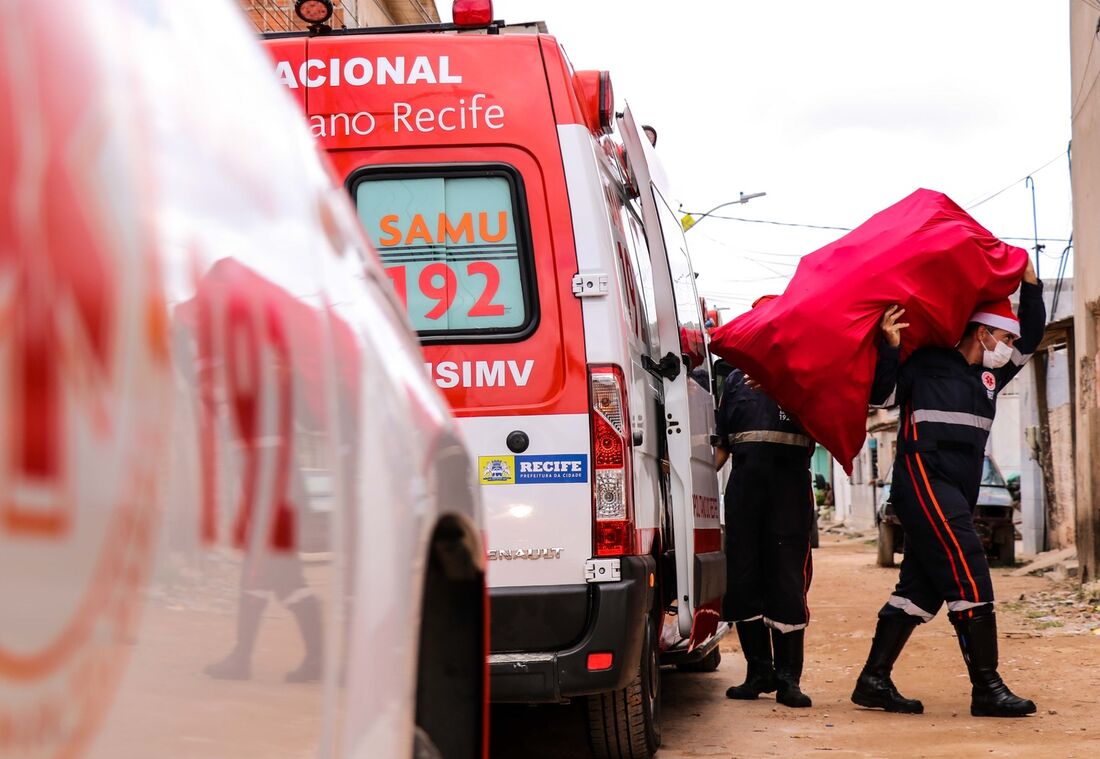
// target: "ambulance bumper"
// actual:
[[615, 624]]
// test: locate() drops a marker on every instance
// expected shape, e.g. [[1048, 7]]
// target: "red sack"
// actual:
[[813, 349]]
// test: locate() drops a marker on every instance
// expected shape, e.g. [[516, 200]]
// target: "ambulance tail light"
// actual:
[[597, 100], [612, 481], [472, 14]]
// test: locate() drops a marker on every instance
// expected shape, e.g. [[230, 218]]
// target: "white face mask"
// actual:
[[996, 358]]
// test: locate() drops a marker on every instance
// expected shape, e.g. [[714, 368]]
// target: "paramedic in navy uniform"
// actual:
[[769, 508], [948, 397]]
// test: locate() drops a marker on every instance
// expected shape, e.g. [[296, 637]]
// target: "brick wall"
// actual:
[[278, 15]]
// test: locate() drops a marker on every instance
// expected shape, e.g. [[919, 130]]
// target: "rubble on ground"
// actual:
[[1064, 609], [846, 532]]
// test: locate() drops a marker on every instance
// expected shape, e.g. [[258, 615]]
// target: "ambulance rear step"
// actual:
[[679, 655]]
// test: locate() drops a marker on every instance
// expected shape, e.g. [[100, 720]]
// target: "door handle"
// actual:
[[668, 367]]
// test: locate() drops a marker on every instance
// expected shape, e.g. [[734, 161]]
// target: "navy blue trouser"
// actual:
[[944, 558], [769, 512]]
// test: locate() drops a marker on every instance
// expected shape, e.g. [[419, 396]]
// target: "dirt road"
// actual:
[[1057, 665]]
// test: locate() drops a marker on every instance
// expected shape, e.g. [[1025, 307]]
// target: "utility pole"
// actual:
[[1030, 182]]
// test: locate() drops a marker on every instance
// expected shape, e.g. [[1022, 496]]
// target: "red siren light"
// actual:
[[472, 14], [597, 100], [313, 11]]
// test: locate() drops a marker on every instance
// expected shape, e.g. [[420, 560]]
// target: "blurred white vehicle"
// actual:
[[236, 520]]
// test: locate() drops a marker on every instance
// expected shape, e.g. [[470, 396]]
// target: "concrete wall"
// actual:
[[1015, 431], [855, 495], [1084, 112], [1061, 530], [373, 13], [278, 15], [1045, 525], [1061, 527], [404, 11], [1005, 439], [842, 493], [1032, 498]]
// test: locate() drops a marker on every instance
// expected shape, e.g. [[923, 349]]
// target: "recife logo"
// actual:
[[533, 470], [497, 470], [542, 469]]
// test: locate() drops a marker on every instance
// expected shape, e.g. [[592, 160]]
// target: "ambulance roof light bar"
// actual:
[[472, 14], [597, 99], [316, 13]]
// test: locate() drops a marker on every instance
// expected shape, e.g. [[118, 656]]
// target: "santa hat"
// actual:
[[999, 315]]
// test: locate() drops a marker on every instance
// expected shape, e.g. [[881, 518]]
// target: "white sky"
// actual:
[[836, 110]]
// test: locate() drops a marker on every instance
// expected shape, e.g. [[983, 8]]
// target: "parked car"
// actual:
[[992, 520], [236, 519], [891, 538]]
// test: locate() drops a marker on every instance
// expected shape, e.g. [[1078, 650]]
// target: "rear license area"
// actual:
[[538, 503]]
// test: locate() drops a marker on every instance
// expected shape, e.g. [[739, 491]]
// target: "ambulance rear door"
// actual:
[[688, 404]]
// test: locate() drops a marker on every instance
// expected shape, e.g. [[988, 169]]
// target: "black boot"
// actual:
[[874, 688], [307, 613], [990, 697], [238, 664], [756, 645], [788, 668]]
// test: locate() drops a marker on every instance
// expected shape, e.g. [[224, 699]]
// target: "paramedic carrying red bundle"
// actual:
[[948, 398]]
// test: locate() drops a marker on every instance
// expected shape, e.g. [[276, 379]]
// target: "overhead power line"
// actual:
[[764, 279], [748, 252], [849, 229], [1060, 278], [719, 295], [1007, 187], [776, 223]]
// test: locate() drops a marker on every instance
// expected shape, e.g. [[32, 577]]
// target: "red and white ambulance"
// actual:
[[529, 231], [236, 520]]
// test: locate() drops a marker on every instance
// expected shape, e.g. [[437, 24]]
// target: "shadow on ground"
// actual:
[[561, 731]]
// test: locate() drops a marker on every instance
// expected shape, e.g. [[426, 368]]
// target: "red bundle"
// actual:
[[813, 349]]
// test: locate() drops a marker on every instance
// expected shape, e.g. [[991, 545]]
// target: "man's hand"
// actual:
[[1029, 274], [721, 456], [891, 327], [751, 384]]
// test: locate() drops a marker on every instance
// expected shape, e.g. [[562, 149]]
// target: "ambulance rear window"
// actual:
[[454, 242]]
